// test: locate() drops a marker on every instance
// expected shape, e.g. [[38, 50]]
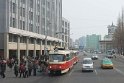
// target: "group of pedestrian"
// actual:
[[25, 68]]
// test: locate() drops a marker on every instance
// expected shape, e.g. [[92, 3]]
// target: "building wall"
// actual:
[[1, 41], [66, 31], [29, 19], [92, 42]]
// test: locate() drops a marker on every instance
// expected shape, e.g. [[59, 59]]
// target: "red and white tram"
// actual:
[[75, 55], [60, 61]]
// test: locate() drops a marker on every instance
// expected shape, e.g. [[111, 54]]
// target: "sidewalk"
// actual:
[[120, 56], [10, 73]]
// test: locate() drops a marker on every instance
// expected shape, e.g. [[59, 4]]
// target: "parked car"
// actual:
[[87, 64], [106, 63]]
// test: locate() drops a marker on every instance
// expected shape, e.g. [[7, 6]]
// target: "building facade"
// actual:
[[66, 31], [106, 44], [25, 25], [92, 42]]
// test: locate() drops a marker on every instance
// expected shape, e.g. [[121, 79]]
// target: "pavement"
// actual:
[[10, 73]]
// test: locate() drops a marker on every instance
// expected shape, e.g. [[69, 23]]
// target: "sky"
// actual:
[[91, 16]]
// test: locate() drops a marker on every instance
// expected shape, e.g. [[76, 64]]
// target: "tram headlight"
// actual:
[[50, 67], [60, 67]]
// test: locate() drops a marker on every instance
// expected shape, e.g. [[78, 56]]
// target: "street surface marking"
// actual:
[[95, 71], [119, 71], [71, 72]]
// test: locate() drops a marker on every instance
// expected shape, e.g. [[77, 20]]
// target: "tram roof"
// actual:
[[60, 52]]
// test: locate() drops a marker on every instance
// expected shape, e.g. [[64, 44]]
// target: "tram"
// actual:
[[75, 55], [60, 61]]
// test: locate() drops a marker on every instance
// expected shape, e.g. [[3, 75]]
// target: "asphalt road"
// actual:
[[99, 75]]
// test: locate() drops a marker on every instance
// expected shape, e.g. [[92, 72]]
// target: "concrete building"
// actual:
[[106, 44], [92, 42], [66, 31], [25, 24], [82, 41]]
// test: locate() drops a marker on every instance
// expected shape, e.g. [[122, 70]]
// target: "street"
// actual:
[[99, 75]]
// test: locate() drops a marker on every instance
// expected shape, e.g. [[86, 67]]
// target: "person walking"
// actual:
[[26, 72], [22, 69], [16, 69], [30, 67], [34, 68]]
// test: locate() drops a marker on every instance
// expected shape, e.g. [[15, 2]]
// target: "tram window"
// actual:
[[56, 57], [68, 57]]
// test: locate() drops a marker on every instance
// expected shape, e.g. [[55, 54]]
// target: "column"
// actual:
[[41, 47], [6, 47], [50, 45], [18, 49], [34, 47], [27, 50]]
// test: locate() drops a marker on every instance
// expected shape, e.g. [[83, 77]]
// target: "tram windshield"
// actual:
[[56, 57]]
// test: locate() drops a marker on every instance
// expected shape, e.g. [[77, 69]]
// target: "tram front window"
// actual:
[[56, 57]]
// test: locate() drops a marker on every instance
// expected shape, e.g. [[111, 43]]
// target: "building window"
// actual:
[[23, 25], [22, 39], [20, 24], [23, 12], [62, 23], [11, 22], [44, 2], [31, 40], [10, 37], [11, 6], [31, 3], [37, 29], [38, 41], [65, 24], [38, 18], [13, 38], [23, 1], [31, 27], [14, 22], [38, 7], [30, 15], [14, 7], [48, 5]]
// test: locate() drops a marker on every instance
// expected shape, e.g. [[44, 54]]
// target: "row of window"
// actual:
[[23, 39], [65, 24]]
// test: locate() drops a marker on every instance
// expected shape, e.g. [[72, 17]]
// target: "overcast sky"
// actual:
[[91, 16]]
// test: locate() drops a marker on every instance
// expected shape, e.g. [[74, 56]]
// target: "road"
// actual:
[[99, 75]]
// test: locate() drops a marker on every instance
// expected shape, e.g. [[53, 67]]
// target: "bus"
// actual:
[[60, 61]]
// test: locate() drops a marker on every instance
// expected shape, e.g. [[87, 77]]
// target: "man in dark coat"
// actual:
[[3, 68]]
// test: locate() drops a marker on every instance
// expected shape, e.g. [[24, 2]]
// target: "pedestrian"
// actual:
[[22, 69], [34, 68], [26, 72], [30, 67], [3, 68], [16, 69]]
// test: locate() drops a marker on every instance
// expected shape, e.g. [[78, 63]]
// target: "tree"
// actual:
[[118, 37]]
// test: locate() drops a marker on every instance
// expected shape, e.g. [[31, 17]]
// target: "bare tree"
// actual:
[[118, 37]]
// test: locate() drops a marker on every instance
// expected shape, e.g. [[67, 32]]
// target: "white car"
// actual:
[[87, 64], [94, 57]]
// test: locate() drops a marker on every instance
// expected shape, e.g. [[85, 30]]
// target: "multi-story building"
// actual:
[[92, 42], [26, 24], [66, 31], [106, 44]]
